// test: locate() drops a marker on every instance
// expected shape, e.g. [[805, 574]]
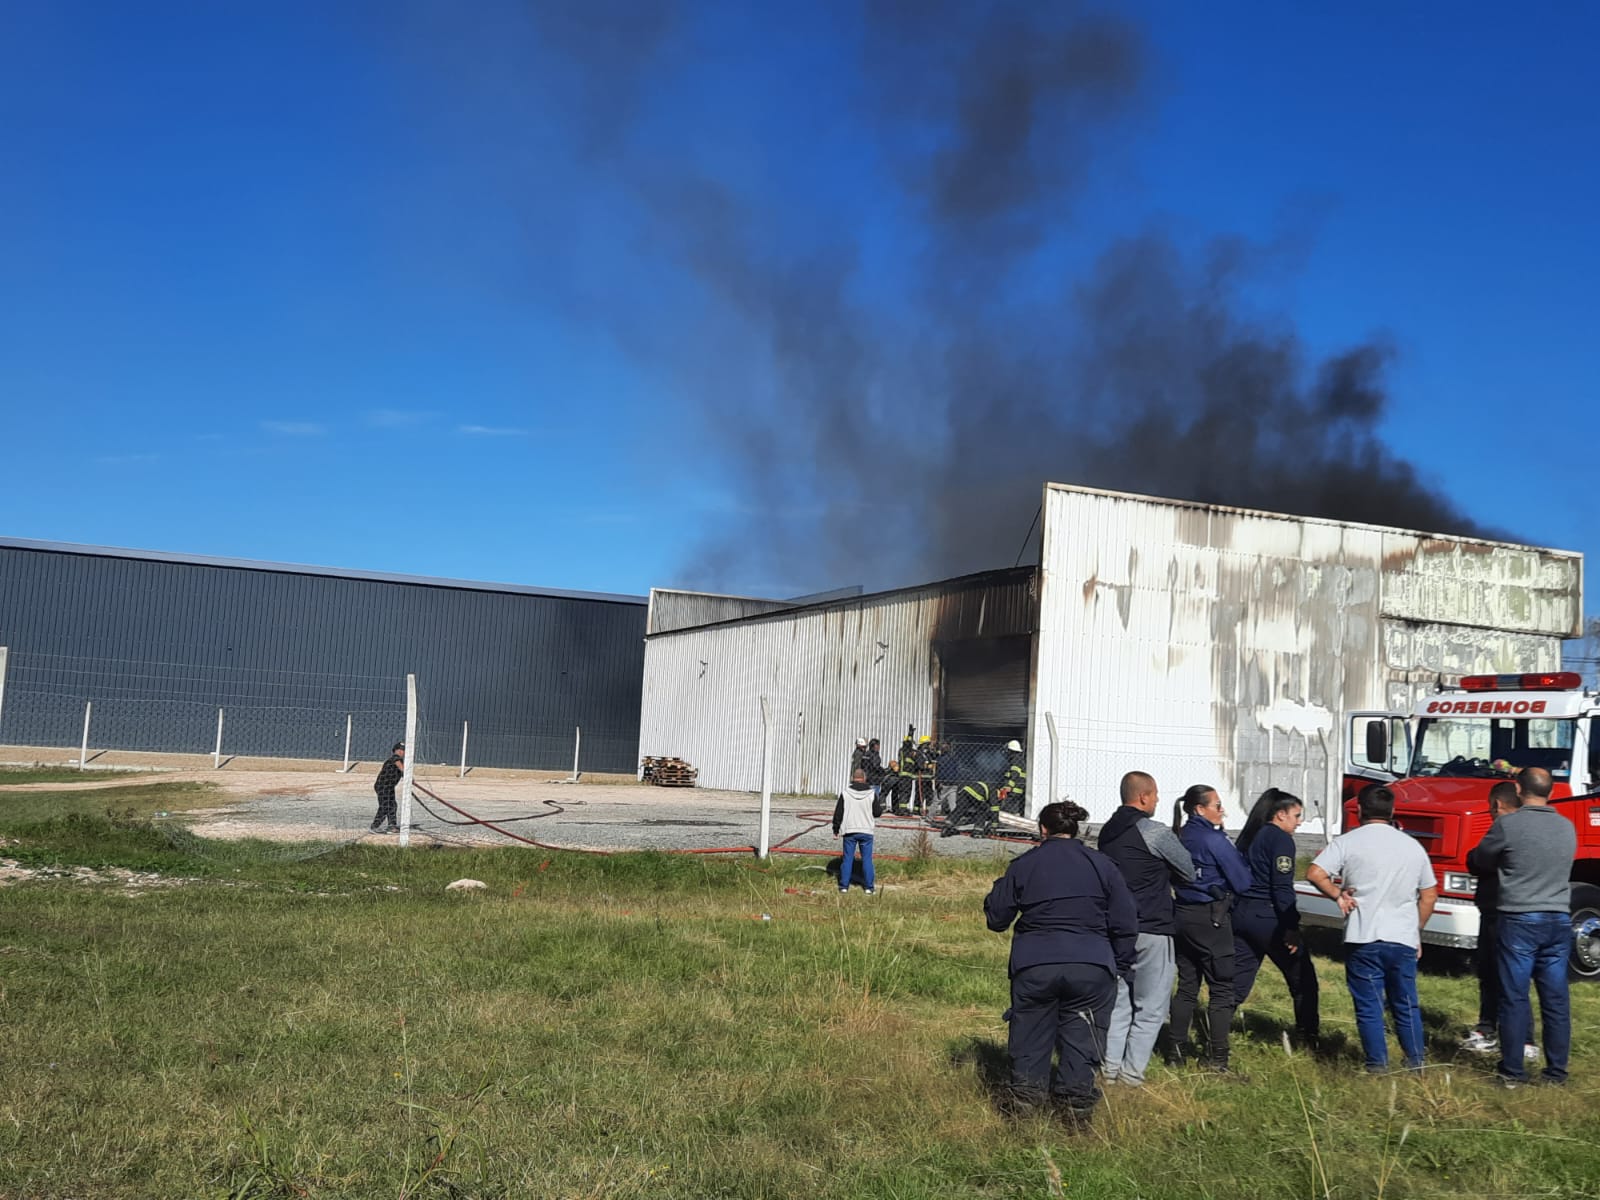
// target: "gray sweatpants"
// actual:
[[1141, 1011]]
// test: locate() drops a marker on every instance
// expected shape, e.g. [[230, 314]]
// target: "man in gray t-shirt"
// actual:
[[1531, 852], [1386, 891]]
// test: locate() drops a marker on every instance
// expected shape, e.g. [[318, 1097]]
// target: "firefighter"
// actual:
[[907, 765], [1013, 789], [977, 806], [925, 760]]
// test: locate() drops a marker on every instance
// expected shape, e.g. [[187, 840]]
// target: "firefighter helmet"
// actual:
[[1013, 744]]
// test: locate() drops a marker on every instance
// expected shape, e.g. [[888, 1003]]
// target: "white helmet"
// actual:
[[862, 742], [1013, 744]]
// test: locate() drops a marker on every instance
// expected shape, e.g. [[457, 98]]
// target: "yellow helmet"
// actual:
[[924, 738]]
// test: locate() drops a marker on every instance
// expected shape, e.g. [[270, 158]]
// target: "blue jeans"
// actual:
[[1534, 948], [851, 841], [1379, 972]]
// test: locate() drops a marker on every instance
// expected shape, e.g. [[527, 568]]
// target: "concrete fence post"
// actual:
[[83, 747], [349, 724], [763, 846], [1055, 756], [216, 755], [463, 773], [411, 761]]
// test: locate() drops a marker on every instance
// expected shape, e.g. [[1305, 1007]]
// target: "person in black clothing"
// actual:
[[1485, 1035], [388, 779], [1076, 931], [1151, 859], [1203, 913], [1266, 921], [872, 764]]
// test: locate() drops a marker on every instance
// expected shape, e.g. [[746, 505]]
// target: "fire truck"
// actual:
[[1441, 760]]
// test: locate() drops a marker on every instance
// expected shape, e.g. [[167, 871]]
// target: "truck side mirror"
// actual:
[[1378, 742]]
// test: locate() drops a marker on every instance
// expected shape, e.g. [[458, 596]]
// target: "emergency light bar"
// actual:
[[1554, 681]]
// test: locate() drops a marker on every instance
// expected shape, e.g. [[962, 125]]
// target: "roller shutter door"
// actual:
[[985, 688]]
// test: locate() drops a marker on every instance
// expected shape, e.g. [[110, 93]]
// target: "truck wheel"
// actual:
[[1585, 961]]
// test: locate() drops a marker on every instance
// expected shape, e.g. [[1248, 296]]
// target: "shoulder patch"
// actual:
[[1284, 864]]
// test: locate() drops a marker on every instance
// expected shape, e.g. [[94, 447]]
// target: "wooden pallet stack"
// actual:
[[669, 772]]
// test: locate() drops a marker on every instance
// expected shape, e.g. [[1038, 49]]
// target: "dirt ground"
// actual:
[[294, 801]]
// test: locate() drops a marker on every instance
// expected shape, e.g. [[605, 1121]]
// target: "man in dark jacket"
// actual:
[[389, 776], [1151, 859], [1076, 929], [1532, 850], [1485, 1036]]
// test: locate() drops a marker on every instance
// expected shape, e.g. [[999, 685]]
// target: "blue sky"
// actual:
[[358, 285]]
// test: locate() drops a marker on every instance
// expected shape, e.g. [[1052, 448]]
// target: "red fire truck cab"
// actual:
[[1441, 761]]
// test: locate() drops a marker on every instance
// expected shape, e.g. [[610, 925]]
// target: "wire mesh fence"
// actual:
[[86, 706]]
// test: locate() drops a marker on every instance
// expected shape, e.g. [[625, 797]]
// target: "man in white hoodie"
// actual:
[[853, 818]]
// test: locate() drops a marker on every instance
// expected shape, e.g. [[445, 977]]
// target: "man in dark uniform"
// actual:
[[389, 776]]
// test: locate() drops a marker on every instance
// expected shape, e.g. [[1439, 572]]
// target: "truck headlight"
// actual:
[[1460, 883]]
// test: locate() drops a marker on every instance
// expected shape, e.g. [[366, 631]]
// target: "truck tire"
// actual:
[[1584, 965]]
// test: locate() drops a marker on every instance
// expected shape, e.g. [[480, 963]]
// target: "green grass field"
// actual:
[[632, 1026]]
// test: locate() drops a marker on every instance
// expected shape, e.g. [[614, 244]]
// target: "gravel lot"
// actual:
[[296, 801], [297, 805]]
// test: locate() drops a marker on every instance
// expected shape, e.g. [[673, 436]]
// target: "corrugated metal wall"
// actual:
[[862, 667], [1216, 645], [159, 645], [672, 609]]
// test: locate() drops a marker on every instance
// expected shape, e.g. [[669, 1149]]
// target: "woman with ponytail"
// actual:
[[1076, 932], [1266, 921], [1202, 912]]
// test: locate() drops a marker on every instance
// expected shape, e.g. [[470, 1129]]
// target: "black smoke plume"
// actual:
[[890, 427]]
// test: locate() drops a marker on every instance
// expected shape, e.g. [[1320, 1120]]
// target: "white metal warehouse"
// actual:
[[1197, 642]]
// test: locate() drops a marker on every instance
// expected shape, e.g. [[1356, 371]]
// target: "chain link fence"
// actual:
[[85, 707]]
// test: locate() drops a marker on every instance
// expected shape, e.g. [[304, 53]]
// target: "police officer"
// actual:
[[1204, 945], [1075, 933], [1266, 922]]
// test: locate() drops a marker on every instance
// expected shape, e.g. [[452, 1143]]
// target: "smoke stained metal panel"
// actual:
[[1208, 644], [671, 609], [1453, 581], [154, 642], [860, 667]]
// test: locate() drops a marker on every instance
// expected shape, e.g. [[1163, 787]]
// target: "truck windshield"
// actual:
[[1469, 746]]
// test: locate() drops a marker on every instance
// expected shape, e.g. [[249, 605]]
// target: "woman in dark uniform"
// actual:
[[1266, 922], [1202, 911], [1076, 932]]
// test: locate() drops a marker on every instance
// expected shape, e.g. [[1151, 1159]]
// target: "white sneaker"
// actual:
[[872, 891], [1480, 1043]]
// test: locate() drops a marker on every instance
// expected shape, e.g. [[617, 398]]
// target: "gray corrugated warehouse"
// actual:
[[158, 642]]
